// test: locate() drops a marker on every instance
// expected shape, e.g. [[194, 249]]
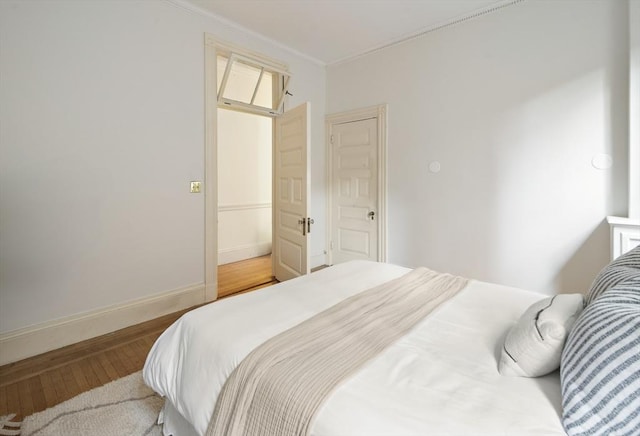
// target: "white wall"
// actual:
[[634, 109], [244, 185], [514, 105], [102, 112]]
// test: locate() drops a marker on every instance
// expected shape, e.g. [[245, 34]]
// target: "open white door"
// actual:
[[291, 222]]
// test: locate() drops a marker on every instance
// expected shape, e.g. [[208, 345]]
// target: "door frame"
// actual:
[[210, 169], [378, 112], [211, 43]]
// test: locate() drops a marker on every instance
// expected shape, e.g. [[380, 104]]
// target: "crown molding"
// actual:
[[190, 7], [496, 6]]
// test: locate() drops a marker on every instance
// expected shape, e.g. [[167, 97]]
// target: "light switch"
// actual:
[[195, 187]]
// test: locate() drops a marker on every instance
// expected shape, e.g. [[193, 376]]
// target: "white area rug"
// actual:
[[123, 407], [9, 427]]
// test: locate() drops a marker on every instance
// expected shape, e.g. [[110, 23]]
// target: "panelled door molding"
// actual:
[[379, 114], [291, 193]]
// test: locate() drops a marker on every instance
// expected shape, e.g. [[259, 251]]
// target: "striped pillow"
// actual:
[[621, 269], [600, 366]]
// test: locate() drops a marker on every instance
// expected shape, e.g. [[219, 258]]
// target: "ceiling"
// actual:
[[329, 31]]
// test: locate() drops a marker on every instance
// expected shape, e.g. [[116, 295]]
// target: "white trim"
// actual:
[[380, 114], [210, 170], [622, 221], [422, 32], [244, 206], [249, 251], [51, 335], [235, 105], [382, 183], [634, 109], [226, 48], [190, 7], [624, 234]]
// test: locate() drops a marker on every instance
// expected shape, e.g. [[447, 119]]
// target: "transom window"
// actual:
[[249, 84]]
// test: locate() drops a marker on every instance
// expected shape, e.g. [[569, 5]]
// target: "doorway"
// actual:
[[357, 185], [248, 82], [245, 142]]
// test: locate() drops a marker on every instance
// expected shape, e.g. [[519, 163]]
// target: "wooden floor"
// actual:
[[238, 276], [40, 382]]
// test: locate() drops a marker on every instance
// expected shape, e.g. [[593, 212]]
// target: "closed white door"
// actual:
[[354, 196], [291, 194]]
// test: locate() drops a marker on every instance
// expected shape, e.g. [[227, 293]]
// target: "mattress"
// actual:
[[441, 378]]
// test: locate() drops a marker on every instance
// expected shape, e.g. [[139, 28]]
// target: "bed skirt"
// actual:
[[173, 423]]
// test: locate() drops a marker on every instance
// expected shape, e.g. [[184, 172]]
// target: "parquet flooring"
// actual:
[[40, 382]]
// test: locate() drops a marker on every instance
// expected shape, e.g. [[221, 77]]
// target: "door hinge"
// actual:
[[331, 245], [331, 139]]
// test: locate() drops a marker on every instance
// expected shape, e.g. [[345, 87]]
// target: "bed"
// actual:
[[440, 378]]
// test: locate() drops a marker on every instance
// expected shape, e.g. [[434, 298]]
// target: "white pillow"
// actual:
[[534, 345]]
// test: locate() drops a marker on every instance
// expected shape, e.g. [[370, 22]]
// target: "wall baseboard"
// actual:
[[40, 338], [236, 254]]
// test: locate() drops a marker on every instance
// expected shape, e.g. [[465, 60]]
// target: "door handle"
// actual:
[[371, 215], [309, 222], [303, 221]]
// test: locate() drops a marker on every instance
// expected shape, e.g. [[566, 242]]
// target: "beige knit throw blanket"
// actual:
[[277, 389]]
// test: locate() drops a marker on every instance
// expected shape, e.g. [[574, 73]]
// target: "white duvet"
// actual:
[[440, 379]]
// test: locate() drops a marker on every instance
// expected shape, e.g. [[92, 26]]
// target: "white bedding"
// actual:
[[440, 379]]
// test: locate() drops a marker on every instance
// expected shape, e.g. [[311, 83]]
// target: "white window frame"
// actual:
[[233, 56]]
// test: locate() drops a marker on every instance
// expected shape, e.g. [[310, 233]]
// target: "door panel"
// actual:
[[291, 175], [354, 195], [354, 242]]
